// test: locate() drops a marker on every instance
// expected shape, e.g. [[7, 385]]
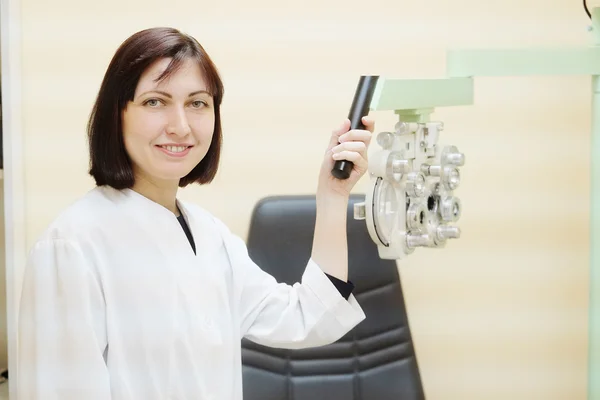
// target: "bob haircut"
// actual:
[[109, 162]]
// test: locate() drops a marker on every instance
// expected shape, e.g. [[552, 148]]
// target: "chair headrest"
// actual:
[[281, 235]]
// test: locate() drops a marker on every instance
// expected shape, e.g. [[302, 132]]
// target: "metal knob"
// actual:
[[413, 241], [450, 177], [385, 140], [448, 232], [360, 212], [450, 209], [457, 159], [397, 166], [415, 184], [415, 216], [404, 128], [430, 170], [452, 156], [400, 166]]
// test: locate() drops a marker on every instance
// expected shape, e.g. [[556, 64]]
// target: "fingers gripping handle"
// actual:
[[360, 108]]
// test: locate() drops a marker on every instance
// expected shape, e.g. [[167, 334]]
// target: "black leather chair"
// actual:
[[374, 361]]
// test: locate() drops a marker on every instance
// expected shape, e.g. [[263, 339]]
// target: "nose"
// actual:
[[178, 123]]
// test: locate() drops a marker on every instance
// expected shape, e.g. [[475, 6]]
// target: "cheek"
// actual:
[[204, 127], [141, 135], [129, 140]]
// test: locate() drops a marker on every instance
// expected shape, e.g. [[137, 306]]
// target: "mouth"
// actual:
[[175, 150]]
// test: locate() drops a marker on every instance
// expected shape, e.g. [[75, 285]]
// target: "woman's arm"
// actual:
[[312, 312], [309, 313], [62, 328], [330, 244]]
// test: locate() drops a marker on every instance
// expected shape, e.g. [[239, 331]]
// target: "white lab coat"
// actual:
[[116, 305]]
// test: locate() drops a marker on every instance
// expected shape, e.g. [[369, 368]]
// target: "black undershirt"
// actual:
[[186, 229], [345, 288]]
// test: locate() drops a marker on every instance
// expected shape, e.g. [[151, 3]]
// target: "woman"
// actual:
[[132, 293]]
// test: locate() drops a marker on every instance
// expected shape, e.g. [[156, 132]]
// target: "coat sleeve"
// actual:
[[309, 313], [62, 330]]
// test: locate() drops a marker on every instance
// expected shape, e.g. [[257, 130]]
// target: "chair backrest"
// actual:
[[375, 360]]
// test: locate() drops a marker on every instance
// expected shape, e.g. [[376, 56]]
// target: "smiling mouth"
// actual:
[[175, 149]]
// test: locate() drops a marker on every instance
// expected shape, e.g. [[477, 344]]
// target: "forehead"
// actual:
[[187, 76]]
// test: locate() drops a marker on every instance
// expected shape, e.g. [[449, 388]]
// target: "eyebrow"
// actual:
[[170, 97]]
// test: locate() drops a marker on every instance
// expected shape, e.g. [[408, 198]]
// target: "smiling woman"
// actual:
[[160, 87], [132, 293]]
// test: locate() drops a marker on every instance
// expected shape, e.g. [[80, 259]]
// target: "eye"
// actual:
[[199, 104], [153, 103]]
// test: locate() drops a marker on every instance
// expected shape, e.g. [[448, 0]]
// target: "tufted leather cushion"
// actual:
[[376, 360]]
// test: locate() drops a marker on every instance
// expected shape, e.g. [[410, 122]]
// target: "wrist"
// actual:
[[332, 205]]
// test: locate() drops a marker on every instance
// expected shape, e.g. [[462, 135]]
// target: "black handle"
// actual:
[[360, 108]]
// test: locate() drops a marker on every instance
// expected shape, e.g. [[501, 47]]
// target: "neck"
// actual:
[[163, 193]]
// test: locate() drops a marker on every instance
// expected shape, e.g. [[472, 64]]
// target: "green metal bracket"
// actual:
[[407, 94], [521, 62], [415, 100], [415, 115], [594, 305]]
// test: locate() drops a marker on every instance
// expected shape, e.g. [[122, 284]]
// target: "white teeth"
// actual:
[[175, 149]]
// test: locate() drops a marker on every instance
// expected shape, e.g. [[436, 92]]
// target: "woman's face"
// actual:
[[168, 127]]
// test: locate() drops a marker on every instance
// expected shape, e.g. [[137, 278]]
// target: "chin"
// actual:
[[173, 176]]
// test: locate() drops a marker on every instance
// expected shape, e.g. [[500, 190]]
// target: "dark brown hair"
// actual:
[[109, 161]]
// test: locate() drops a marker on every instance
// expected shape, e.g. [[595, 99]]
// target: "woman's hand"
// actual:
[[349, 145]]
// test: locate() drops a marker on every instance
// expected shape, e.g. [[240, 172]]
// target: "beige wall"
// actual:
[[499, 314]]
